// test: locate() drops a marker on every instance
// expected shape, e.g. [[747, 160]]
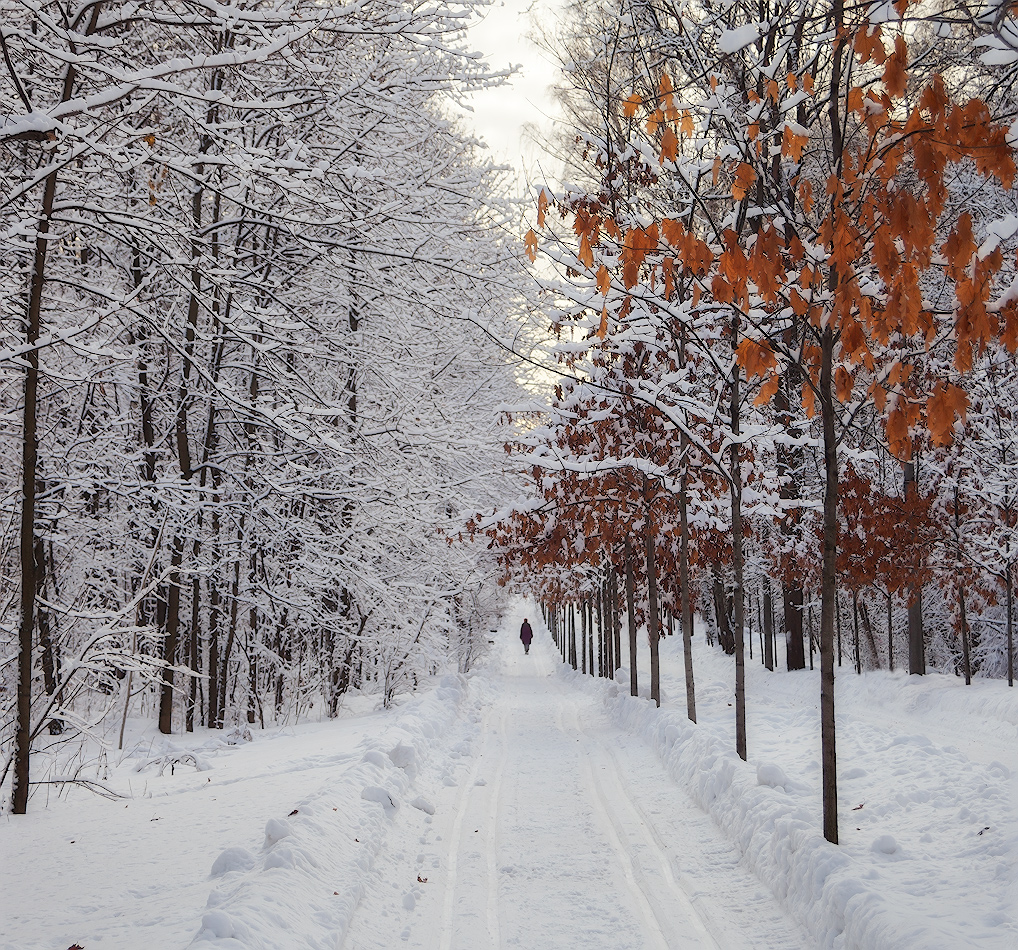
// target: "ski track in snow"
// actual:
[[559, 832]]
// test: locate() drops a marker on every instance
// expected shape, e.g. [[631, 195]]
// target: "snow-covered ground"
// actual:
[[928, 788], [556, 829], [144, 872], [527, 806]]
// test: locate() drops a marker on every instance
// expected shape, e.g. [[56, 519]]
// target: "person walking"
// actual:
[[526, 635]]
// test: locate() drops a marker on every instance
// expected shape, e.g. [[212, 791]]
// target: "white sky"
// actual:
[[500, 114]]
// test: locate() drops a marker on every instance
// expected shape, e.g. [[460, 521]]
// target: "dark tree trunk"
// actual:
[[50, 653], [653, 633], [170, 639], [916, 645], [685, 606], [722, 618], [735, 473], [795, 640], [29, 466], [582, 636], [600, 633], [616, 623], [590, 628], [1009, 594], [855, 628], [829, 592], [631, 612], [789, 462], [890, 632]]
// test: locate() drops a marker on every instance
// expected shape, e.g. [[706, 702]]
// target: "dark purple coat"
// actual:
[[526, 634]]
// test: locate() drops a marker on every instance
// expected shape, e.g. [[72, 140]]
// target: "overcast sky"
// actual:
[[500, 114]]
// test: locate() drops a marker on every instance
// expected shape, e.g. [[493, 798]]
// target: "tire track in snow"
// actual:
[[494, 804], [456, 841], [705, 927], [631, 871]]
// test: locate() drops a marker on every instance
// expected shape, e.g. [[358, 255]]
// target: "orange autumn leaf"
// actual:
[[843, 383], [793, 144], [806, 195], [687, 127], [899, 374], [944, 404], [878, 394], [638, 243], [767, 391], [542, 207], [897, 434], [602, 330], [1009, 336], [530, 245], [755, 358], [669, 146], [869, 45], [673, 232], [585, 255], [631, 104], [809, 400], [744, 178], [960, 246], [894, 77], [798, 303], [603, 280]]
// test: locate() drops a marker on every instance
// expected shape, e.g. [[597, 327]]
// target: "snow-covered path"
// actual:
[[553, 829]]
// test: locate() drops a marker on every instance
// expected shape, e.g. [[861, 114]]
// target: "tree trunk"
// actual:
[[601, 624], [965, 652], [855, 626], [583, 636], [29, 462], [890, 631], [685, 607], [916, 644], [1009, 592], [631, 612], [735, 474], [789, 461], [652, 618], [829, 593], [724, 626], [768, 625], [616, 623], [572, 635]]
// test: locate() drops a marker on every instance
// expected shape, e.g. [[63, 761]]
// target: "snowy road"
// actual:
[[553, 829]]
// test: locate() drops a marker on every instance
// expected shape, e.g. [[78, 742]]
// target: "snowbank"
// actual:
[[300, 887], [928, 836]]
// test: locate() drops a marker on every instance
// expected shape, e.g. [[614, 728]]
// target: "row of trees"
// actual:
[[786, 327], [246, 401]]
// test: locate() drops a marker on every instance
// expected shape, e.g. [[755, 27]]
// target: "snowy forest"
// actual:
[[249, 399], [308, 398], [785, 313]]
